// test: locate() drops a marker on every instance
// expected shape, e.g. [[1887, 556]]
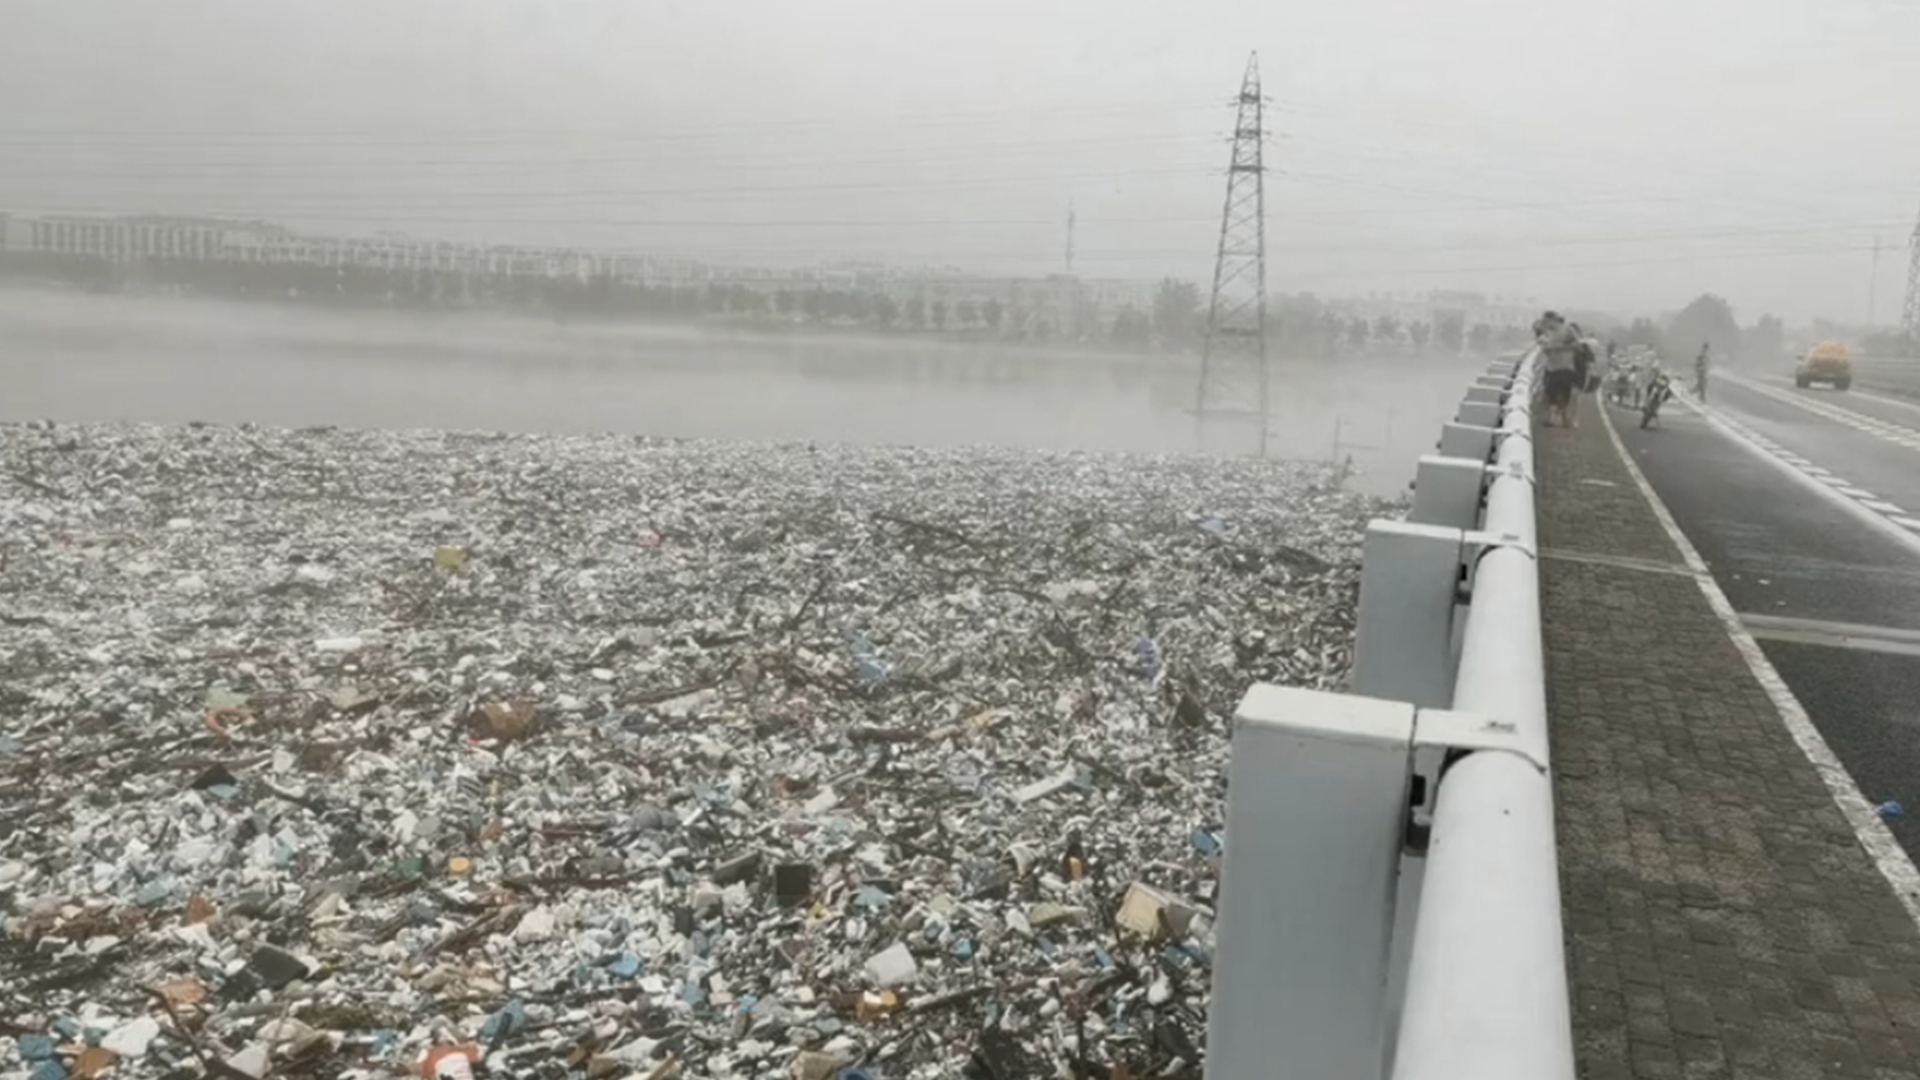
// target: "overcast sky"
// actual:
[[1624, 154]]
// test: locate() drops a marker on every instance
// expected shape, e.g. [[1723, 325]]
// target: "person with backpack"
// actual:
[[1559, 349]]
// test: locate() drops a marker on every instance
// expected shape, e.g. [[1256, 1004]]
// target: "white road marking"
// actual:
[[1881, 513], [1875, 838], [1897, 434], [1896, 640], [1853, 392]]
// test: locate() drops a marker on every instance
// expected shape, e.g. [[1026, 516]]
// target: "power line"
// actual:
[[942, 153], [841, 185], [863, 122]]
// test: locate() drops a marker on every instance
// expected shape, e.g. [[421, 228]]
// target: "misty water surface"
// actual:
[[73, 357]]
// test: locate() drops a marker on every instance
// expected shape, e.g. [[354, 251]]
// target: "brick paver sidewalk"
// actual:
[[1722, 919]]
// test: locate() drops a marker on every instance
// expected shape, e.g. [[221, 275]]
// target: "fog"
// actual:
[[1624, 156], [1620, 158], [74, 357]]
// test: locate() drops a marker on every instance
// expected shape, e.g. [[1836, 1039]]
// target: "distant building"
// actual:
[[1468, 308]]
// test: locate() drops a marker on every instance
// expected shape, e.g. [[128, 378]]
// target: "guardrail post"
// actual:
[[1467, 441], [1316, 809], [1482, 413], [1447, 490], [1403, 641]]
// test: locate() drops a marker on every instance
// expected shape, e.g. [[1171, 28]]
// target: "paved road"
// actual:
[[1869, 439], [1795, 562]]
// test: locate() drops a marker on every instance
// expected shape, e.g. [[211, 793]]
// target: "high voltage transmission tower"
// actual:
[[1233, 357], [1910, 314]]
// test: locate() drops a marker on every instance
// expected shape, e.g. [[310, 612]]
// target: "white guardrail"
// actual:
[[1391, 899]]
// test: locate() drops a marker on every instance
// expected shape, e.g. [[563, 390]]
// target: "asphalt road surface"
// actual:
[[1833, 599]]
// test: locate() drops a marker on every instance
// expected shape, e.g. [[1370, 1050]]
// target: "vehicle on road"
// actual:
[[1827, 362]]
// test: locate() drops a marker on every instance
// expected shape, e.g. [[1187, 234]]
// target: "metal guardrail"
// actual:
[[1391, 901]]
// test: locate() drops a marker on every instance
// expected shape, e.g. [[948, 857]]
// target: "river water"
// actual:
[[76, 357]]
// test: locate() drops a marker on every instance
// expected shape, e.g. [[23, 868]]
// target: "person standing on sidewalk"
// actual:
[[1560, 349], [1700, 373]]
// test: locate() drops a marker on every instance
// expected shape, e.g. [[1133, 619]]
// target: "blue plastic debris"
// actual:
[[1889, 810], [385, 1042], [932, 931], [35, 1047], [866, 661], [1103, 958], [624, 966], [962, 949], [1182, 953], [855, 1072], [872, 898], [1205, 842], [51, 1069], [1146, 658], [511, 1020]]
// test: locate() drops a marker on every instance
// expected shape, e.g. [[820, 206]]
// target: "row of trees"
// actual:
[[1708, 320], [600, 295], [1302, 325], [1174, 321]]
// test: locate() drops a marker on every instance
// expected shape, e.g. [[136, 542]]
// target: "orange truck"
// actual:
[[1827, 362]]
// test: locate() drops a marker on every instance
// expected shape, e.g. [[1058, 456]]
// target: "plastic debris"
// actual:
[[1040, 789], [698, 759], [815, 1065], [893, 966], [1889, 810], [510, 1021], [94, 1061], [252, 1060], [450, 1062], [131, 1040]]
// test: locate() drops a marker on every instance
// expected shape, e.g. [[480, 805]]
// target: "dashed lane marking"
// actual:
[[1855, 393], [1897, 640], [1897, 434], [1891, 515]]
